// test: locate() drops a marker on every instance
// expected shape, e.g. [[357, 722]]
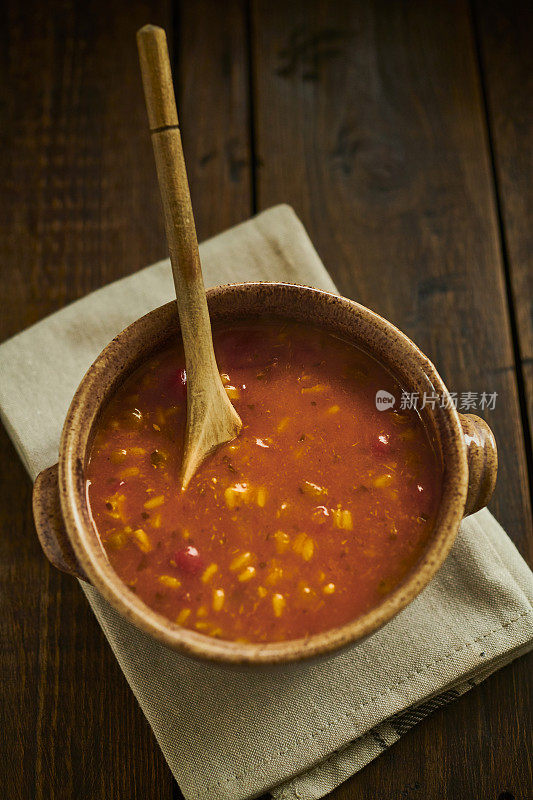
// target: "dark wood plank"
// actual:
[[79, 208], [211, 76], [505, 33], [370, 122]]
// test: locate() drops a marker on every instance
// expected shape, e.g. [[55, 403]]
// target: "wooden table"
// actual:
[[399, 131]]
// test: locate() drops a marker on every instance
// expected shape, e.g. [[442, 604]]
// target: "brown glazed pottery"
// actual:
[[62, 516]]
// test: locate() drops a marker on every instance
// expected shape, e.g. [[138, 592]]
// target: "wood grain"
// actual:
[[81, 209], [211, 77], [505, 36], [382, 103]]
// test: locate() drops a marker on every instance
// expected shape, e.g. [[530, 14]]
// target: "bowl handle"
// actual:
[[50, 526], [482, 457]]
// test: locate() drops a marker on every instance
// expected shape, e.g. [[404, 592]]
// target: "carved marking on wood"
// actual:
[[307, 51]]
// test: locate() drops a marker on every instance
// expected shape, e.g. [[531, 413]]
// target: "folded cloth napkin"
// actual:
[[300, 730]]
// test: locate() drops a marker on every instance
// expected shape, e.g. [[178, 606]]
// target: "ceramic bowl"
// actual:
[[464, 442]]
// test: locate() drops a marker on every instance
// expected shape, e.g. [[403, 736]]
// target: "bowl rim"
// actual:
[[91, 554]]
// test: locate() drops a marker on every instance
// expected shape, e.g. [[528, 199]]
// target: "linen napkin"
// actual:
[[299, 730]]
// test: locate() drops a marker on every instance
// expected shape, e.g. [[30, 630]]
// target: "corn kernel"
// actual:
[[183, 616], [201, 625], [329, 588], [299, 542], [118, 456], [235, 493], [261, 591], [283, 510], [282, 541], [307, 596], [170, 581], [246, 574], [274, 575], [117, 540], [261, 497], [318, 388], [129, 472], [218, 599], [283, 424], [155, 502], [333, 410], [342, 518], [278, 604], [202, 612], [209, 572], [142, 540], [115, 507], [313, 489], [308, 549], [383, 481], [158, 458], [240, 561], [155, 521], [232, 392]]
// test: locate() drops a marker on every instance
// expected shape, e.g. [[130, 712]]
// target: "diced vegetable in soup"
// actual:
[[310, 517]]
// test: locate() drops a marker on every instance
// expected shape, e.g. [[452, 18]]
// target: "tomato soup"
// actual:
[[309, 518]]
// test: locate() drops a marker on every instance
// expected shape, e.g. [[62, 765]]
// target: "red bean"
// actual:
[[188, 560], [381, 446]]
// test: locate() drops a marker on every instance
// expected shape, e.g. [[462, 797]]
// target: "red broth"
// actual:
[[316, 511]]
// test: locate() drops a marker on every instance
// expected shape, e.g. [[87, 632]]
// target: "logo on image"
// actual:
[[384, 400]]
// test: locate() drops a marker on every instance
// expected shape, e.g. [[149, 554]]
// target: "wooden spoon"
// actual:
[[211, 419]]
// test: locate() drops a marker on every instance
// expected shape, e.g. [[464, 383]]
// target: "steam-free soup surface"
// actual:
[[310, 517]]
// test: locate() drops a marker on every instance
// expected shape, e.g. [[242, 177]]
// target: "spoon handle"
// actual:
[[211, 419], [174, 187]]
